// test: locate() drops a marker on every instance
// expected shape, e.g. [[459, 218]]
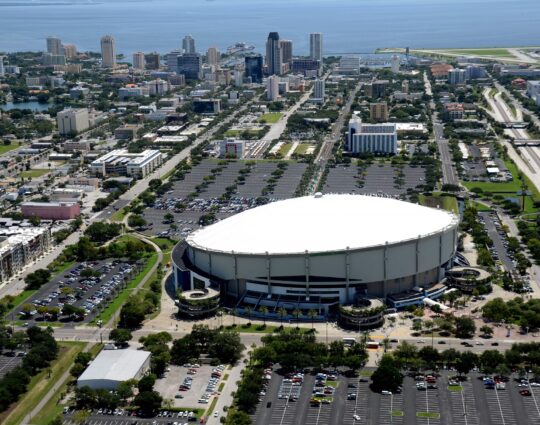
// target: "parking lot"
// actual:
[[174, 385], [9, 361], [375, 179], [88, 286], [468, 402], [259, 181]]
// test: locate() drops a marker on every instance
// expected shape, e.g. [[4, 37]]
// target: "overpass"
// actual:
[[526, 142], [515, 124]]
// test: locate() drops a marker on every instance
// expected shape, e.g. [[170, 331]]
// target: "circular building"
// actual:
[[317, 251]]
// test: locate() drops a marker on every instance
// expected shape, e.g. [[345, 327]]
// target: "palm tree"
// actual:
[[234, 312], [249, 311], [312, 314], [282, 313], [297, 312], [429, 325], [264, 312], [386, 344]]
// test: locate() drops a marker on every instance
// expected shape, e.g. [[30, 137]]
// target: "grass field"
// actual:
[[119, 215], [429, 415], [7, 148], [53, 408], [455, 388], [41, 384], [284, 149], [498, 52], [397, 413], [38, 172], [236, 133], [271, 117], [479, 206], [115, 304], [302, 148], [448, 203]]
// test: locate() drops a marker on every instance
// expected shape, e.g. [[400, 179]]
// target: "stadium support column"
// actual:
[[306, 262], [269, 274], [347, 275], [417, 256], [385, 263], [236, 273]]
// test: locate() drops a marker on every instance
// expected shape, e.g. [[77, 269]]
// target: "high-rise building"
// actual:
[[396, 63], [379, 111], [274, 57], [319, 91], [376, 89], [152, 60], [70, 51], [72, 121], [272, 88], [190, 65], [2, 70], [188, 44], [371, 138], [254, 68], [212, 56], [138, 60], [51, 59], [307, 67], [171, 59], [316, 46], [238, 77], [457, 76], [54, 46], [405, 86], [108, 52], [286, 47]]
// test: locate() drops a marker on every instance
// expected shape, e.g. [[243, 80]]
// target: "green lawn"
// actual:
[[302, 148], [41, 384], [221, 386], [38, 172], [499, 52], [429, 415], [455, 388], [7, 148], [284, 149], [237, 133], [119, 215], [397, 413], [116, 303], [448, 203], [212, 406], [53, 408], [479, 206], [271, 117]]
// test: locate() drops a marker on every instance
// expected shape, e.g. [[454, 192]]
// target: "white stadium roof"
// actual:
[[321, 223], [115, 365]]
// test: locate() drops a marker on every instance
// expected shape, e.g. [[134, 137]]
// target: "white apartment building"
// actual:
[[272, 88], [122, 162], [371, 138], [319, 91], [72, 121]]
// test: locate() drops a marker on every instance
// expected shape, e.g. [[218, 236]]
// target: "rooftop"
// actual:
[[115, 365], [320, 224]]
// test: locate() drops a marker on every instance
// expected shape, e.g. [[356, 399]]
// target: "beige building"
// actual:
[[213, 56], [379, 111], [138, 60], [70, 51], [108, 52], [72, 121]]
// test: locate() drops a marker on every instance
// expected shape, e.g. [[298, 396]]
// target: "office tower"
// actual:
[[319, 91], [396, 62], [212, 56], [238, 78], [274, 58], [70, 51], [376, 89], [108, 52], [2, 70], [379, 111], [456, 76], [138, 60], [152, 60], [171, 59], [188, 44], [254, 68], [315, 46], [72, 121], [286, 50], [372, 138], [190, 65], [272, 88], [50, 59], [307, 67], [54, 46]]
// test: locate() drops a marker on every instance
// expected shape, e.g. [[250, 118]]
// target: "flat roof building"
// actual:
[[111, 367], [72, 121], [51, 210], [122, 162], [371, 138]]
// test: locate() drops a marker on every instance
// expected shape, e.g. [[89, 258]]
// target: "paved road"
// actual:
[[449, 171]]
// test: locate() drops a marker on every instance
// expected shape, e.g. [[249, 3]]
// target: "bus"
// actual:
[[373, 344]]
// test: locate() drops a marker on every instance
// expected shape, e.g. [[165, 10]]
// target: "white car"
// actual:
[[384, 392], [216, 414], [356, 417]]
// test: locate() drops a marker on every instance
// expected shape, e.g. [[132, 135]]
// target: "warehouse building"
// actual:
[[111, 367]]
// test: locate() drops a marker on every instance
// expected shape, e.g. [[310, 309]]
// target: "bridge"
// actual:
[[515, 124], [526, 142]]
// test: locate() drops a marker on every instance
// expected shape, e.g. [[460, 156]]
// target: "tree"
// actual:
[[100, 231], [136, 221], [249, 311], [487, 331], [296, 313], [27, 309], [37, 279], [466, 362], [465, 327], [264, 312], [77, 370], [168, 218], [490, 360], [430, 356], [237, 417], [146, 383], [125, 390], [417, 326], [148, 402], [80, 416], [226, 346], [120, 336], [312, 314], [388, 375], [282, 313]]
